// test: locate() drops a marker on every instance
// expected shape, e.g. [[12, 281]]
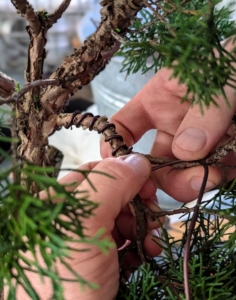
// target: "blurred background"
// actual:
[[62, 37]]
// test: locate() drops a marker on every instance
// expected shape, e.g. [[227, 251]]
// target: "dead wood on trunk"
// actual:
[[37, 112]]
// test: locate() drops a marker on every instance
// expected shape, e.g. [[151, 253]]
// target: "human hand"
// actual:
[[183, 132], [114, 215]]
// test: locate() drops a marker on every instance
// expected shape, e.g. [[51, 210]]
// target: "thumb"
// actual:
[[199, 133], [129, 173]]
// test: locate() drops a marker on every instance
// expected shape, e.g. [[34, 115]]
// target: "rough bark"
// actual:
[[38, 110], [7, 86]]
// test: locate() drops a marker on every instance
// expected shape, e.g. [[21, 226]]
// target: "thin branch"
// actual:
[[26, 10], [14, 137], [97, 123], [190, 231], [160, 18], [144, 27], [222, 150], [31, 85], [88, 61], [118, 37], [101, 125], [121, 40], [185, 210], [7, 86], [6, 101], [53, 18], [173, 286]]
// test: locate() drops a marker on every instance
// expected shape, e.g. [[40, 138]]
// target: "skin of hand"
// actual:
[[115, 215], [183, 132]]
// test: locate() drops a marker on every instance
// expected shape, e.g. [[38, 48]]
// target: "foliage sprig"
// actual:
[[185, 36], [44, 227]]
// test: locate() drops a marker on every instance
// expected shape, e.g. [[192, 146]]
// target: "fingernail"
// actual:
[[191, 139], [139, 164], [196, 183]]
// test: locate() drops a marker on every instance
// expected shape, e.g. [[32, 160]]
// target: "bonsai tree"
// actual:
[[183, 35]]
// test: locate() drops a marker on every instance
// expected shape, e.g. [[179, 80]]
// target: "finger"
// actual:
[[182, 185], [152, 243], [131, 261], [128, 176], [154, 106], [198, 134], [77, 176], [148, 190], [126, 228], [126, 123], [72, 180], [154, 224], [151, 246]]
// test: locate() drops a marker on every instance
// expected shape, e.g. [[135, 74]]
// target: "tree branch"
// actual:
[[161, 18], [223, 150], [32, 85], [88, 61], [7, 86], [153, 215], [26, 10], [97, 123], [101, 125], [37, 31], [28, 87], [53, 18], [38, 113]]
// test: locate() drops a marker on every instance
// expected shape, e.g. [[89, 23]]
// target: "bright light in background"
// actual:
[[232, 4], [50, 6]]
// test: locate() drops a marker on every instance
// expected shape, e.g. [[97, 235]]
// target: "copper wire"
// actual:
[[109, 138]]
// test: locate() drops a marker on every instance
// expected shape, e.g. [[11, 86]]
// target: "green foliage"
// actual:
[[36, 102], [185, 37], [45, 228], [17, 88], [212, 264], [43, 15], [141, 286]]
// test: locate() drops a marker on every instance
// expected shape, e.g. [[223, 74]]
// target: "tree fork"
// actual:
[[37, 112]]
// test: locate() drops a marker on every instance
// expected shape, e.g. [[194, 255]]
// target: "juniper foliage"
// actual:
[[212, 264], [30, 224], [186, 36]]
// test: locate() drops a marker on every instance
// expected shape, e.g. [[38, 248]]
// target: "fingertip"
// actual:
[[140, 165], [200, 132], [186, 183], [157, 222], [126, 177], [189, 144], [152, 244], [148, 190]]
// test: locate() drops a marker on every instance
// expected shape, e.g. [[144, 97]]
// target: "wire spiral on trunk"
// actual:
[[108, 125]]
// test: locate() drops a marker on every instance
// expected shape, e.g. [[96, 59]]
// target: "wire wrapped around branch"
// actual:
[[99, 124]]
